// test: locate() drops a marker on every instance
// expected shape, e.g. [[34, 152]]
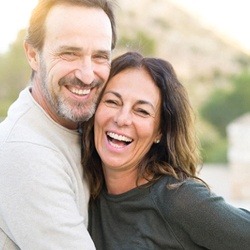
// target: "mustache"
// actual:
[[77, 82]]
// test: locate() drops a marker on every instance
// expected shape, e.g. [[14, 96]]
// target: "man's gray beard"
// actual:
[[64, 112], [59, 104]]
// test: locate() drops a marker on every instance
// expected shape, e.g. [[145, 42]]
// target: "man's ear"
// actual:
[[32, 55]]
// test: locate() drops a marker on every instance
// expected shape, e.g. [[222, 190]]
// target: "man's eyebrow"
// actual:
[[103, 52], [62, 48], [75, 48]]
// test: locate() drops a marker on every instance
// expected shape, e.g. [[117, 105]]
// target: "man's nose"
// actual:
[[85, 71]]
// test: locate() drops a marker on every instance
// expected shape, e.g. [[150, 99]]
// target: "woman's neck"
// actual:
[[121, 182]]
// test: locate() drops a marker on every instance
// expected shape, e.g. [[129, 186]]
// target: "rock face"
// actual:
[[198, 52], [239, 156]]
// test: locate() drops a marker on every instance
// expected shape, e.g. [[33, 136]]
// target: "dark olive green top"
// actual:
[[187, 217]]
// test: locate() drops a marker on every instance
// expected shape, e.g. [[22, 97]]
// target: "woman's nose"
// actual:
[[123, 118]]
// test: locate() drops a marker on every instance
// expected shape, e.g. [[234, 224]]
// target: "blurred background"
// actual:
[[207, 42]]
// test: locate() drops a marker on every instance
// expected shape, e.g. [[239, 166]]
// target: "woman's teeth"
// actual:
[[119, 137]]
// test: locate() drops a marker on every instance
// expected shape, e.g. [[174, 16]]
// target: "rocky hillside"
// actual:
[[202, 58]]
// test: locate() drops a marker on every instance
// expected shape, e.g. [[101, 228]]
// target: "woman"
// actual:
[[141, 159]]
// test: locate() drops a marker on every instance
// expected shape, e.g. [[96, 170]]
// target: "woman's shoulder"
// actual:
[[174, 185], [175, 195]]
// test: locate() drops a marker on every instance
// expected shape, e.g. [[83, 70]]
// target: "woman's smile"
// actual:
[[127, 119]]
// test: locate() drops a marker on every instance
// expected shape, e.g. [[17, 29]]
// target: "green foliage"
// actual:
[[213, 145], [214, 151], [224, 106], [14, 73], [4, 105], [140, 42]]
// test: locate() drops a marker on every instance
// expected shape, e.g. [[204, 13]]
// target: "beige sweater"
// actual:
[[43, 198]]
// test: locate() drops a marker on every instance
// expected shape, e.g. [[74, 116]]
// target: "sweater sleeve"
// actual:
[[38, 202], [196, 214]]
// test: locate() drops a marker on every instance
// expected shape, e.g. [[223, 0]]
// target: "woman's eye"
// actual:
[[111, 102], [143, 112]]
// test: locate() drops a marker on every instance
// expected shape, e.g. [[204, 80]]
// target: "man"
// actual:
[[43, 194]]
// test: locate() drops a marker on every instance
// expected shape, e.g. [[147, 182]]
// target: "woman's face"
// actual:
[[127, 120]]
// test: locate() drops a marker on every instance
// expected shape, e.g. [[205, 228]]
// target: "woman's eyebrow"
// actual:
[[146, 103], [142, 102], [114, 93]]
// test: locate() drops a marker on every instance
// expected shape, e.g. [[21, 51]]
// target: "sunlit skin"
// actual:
[[74, 63], [126, 125]]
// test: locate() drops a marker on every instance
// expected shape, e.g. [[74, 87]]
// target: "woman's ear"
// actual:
[[32, 55], [158, 138]]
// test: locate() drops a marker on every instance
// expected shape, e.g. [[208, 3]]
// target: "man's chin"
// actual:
[[76, 112], [77, 116]]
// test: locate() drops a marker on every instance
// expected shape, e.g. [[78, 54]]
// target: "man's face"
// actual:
[[74, 63]]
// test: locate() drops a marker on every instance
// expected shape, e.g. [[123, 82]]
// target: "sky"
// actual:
[[230, 18], [14, 16]]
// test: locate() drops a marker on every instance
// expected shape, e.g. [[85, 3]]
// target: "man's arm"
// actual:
[[39, 207]]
